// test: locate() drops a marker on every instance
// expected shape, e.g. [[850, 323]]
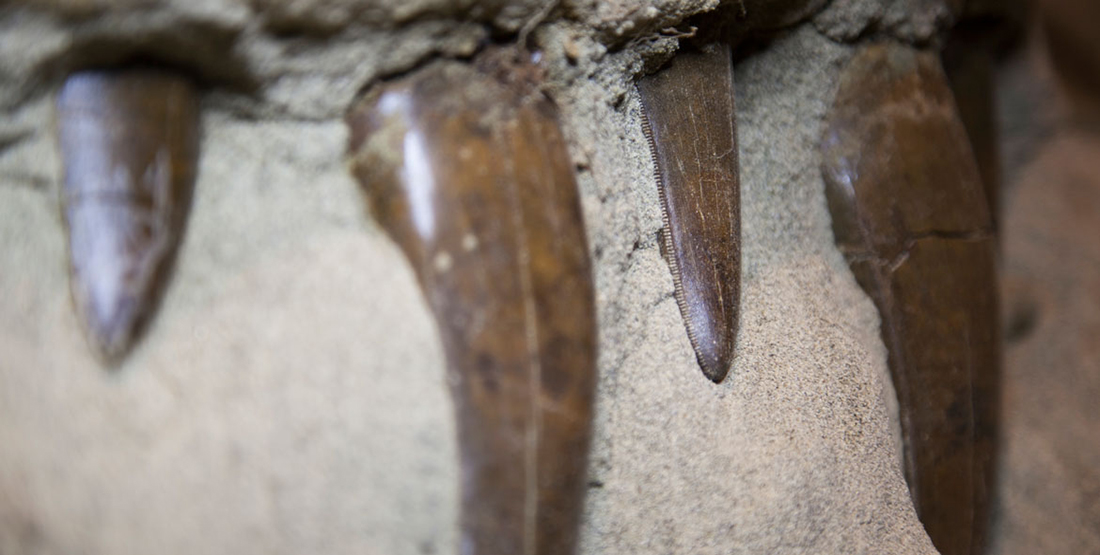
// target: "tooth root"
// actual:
[[471, 178], [689, 120], [909, 212], [129, 147]]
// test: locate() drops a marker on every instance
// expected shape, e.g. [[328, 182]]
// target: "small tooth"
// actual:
[[906, 197], [688, 117], [466, 168], [129, 148]]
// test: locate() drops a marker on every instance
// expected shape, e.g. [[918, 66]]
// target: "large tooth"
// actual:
[[129, 145], [969, 60], [758, 16], [910, 216], [688, 117], [470, 176]]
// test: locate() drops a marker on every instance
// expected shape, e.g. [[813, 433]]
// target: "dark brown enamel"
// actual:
[[1073, 46], [129, 145], [968, 61], [988, 28], [911, 218], [471, 177], [689, 121], [749, 17]]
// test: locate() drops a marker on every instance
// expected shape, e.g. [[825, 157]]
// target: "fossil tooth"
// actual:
[[468, 172], [1073, 46], [767, 15], [129, 146], [910, 216], [969, 60], [688, 117]]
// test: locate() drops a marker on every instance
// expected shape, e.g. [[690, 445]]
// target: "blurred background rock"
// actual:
[[1050, 100]]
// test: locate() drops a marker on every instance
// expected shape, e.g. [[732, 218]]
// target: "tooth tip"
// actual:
[[111, 355], [129, 144], [714, 341], [111, 337], [716, 364]]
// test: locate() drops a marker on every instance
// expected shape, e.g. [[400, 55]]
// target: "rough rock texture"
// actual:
[[916, 21], [289, 396]]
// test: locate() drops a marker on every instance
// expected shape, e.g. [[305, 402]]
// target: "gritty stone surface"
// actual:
[[913, 21], [289, 396]]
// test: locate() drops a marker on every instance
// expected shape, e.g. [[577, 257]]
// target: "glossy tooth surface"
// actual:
[[470, 176], [910, 216], [689, 121], [129, 146]]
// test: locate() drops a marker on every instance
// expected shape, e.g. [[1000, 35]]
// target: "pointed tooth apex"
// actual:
[[715, 358], [129, 147], [688, 117], [100, 262]]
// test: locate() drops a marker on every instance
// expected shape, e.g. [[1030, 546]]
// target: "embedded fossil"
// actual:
[[688, 118], [129, 143], [467, 170], [910, 217], [969, 66], [767, 15], [970, 55]]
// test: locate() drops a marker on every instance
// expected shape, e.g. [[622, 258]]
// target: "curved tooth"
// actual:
[[969, 60], [129, 146], [688, 117], [471, 177], [910, 215]]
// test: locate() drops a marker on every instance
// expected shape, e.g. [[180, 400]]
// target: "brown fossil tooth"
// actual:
[[768, 15], [910, 216], [129, 146], [688, 117], [468, 172], [969, 60], [970, 71], [1073, 47]]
